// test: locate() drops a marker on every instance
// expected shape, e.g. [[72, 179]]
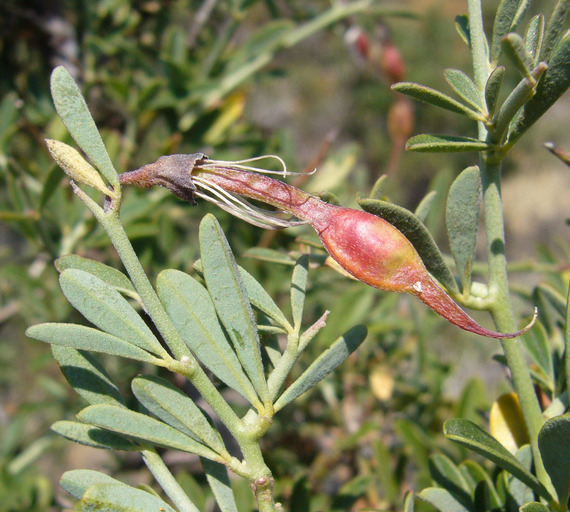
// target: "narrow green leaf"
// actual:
[[554, 297], [386, 475], [257, 295], [554, 29], [551, 87], [534, 36], [439, 99], [537, 344], [424, 206], [534, 506], [481, 476], [270, 255], [192, 312], [143, 429], [107, 309], [87, 338], [515, 49], [445, 473], [378, 188], [230, 300], [519, 491], [462, 27], [87, 376], [77, 481], [466, 433], [219, 482], [75, 114], [493, 88], [121, 498], [109, 275], [171, 405], [328, 361], [555, 451], [416, 232], [299, 289], [428, 143], [94, 437], [462, 221], [464, 88], [442, 500], [481, 498], [507, 18]]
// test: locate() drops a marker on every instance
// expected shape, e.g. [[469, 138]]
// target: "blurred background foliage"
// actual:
[[309, 81]]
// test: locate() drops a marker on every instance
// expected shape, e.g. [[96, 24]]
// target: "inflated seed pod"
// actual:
[[366, 246]]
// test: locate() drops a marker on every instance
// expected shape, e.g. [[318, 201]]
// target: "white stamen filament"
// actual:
[[238, 164], [241, 208]]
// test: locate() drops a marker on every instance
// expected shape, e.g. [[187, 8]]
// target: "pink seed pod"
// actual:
[[366, 246]]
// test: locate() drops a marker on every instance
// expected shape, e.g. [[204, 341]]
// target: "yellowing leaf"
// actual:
[[506, 422], [382, 382]]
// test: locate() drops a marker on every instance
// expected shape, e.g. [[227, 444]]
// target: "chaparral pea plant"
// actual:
[[212, 328]]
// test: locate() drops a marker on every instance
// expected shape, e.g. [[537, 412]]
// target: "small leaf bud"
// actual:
[[76, 167]]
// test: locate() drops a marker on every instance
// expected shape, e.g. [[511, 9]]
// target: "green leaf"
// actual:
[[50, 185], [120, 498], [409, 505], [270, 255], [299, 289], [518, 490], [466, 433], [428, 143], [86, 338], [515, 49], [551, 87], [537, 344], [75, 114], [257, 295], [107, 309], [554, 29], [219, 482], [445, 473], [143, 429], [555, 451], [424, 206], [462, 221], [419, 236], [481, 476], [442, 500], [230, 300], [109, 275], [327, 362], [192, 312], [464, 88], [172, 406], [87, 376], [77, 481], [462, 27], [94, 437], [493, 88], [508, 16], [534, 506], [439, 99], [534, 36]]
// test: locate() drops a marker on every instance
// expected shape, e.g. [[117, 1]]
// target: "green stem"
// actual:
[[111, 223], [167, 481], [501, 308], [283, 368]]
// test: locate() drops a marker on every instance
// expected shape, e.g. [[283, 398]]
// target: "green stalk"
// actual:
[[500, 304], [111, 223], [167, 481], [186, 364], [501, 309]]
